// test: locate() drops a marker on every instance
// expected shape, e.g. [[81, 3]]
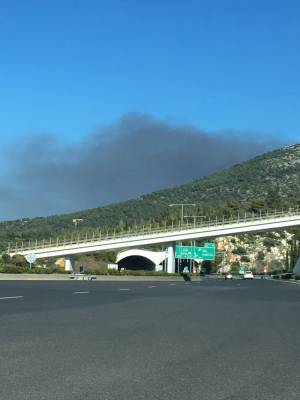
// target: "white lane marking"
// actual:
[[81, 292], [286, 281], [172, 284], [11, 297], [124, 289], [150, 287]]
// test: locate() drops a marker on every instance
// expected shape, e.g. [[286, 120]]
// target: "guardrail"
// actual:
[[147, 231]]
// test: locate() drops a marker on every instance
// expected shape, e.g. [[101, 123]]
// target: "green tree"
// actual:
[[5, 258], [245, 259], [240, 250]]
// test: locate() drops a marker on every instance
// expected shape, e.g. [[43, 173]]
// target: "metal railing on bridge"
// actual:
[[146, 231]]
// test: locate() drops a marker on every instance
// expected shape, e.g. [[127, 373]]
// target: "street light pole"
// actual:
[[76, 220], [182, 208]]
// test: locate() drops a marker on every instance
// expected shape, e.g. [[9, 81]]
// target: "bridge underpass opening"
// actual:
[[193, 266], [136, 263]]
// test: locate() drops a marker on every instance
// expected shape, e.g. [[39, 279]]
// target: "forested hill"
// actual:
[[271, 180]]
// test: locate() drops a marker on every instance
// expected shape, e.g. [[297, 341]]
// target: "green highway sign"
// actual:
[[207, 252], [184, 251]]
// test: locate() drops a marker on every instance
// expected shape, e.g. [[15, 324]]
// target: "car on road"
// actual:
[[248, 275], [83, 276], [228, 276]]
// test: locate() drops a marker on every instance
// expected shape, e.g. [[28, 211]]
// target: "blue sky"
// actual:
[[68, 66], [114, 92]]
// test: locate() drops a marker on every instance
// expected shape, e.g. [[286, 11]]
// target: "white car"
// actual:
[[248, 275], [228, 276], [83, 276]]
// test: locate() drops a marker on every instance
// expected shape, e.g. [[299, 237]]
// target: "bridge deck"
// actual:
[[166, 234]]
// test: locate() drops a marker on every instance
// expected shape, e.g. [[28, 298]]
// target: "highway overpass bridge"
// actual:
[[169, 235]]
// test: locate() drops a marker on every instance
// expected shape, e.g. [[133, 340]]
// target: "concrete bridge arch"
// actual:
[[141, 259]]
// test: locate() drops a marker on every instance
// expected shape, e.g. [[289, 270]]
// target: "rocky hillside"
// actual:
[[257, 252]]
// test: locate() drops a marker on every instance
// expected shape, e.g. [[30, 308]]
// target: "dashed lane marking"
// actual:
[[124, 289], [152, 286], [81, 292], [11, 297]]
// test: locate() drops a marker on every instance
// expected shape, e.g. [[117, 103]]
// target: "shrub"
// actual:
[[235, 266], [97, 271], [260, 255], [6, 258], [245, 259], [50, 269], [19, 260], [17, 269], [12, 269], [269, 242], [239, 250]]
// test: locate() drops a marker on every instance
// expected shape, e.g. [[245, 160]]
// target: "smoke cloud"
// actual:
[[136, 155]]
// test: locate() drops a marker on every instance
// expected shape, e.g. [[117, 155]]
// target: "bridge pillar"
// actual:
[[68, 265], [296, 269], [171, 259], [158, 268]]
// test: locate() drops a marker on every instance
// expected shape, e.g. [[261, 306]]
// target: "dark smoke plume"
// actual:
[[134, 156]]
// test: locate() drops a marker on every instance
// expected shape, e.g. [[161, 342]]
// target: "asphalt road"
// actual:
[[209, 340]]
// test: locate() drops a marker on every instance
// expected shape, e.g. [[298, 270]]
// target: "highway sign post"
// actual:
[[30, 258], [242, 270]]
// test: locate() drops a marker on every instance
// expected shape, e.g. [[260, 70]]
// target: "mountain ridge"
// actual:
[[269, 180]]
